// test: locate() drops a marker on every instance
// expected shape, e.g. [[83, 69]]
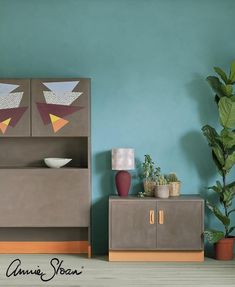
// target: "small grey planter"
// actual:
[[162, 191]]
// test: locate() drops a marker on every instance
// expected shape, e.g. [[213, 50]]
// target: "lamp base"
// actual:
[[123, 182]]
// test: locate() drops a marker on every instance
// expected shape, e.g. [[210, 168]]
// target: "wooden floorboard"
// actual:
[[98, 272]]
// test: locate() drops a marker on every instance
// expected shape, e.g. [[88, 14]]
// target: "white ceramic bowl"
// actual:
[[56, 162]]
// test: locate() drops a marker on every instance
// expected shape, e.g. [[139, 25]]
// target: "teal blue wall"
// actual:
[[148, 60]]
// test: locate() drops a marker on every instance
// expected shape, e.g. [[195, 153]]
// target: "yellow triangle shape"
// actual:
[[4, 125], [6, 122], [57, 125], [54, 118]]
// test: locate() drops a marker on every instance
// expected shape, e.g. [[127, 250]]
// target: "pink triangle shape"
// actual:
[[15, 114], [58, 110]]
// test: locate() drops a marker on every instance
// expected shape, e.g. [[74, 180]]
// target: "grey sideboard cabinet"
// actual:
[[154, 229]]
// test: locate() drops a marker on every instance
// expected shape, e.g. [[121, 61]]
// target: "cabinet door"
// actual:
[[180, 225], [43, 197], [14, 107], [132, 225], [60, 107]]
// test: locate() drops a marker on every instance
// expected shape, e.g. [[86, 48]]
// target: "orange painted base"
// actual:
[[174, 256], [47, 247], [89, 251]]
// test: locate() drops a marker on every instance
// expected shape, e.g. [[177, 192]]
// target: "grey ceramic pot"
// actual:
[[162, 191]]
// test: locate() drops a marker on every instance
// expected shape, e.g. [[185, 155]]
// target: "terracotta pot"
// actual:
[[162, 191], [224, 249], [149, 187], [174, 188]]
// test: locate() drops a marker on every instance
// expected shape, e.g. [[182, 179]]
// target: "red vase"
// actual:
[[123, 182]]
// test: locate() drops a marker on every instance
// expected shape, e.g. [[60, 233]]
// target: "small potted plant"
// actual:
[[162, 189], [150, 174], [174, 183]]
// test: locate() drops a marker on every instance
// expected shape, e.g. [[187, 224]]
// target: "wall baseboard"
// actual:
[[47, 247], [174, 256]]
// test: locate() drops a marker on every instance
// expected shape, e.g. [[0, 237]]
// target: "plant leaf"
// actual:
[[219, 154], [213, 236], [222, 74], [231, 185], [229, 162], [215, 143], [228, 138], [232, 72], [227, 90], [217, 98], [231, 150], [216, 85], [219, 185], [217, 163], [215, 188], [231, 229], [227, 112], [211, 135], [227, 197], [231, 211], [223, 218]]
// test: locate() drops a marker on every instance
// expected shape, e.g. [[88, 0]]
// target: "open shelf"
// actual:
[[29, 152]]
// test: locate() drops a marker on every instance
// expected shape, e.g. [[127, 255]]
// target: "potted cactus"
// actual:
[[162, 189], [174, 184], [150, 173]]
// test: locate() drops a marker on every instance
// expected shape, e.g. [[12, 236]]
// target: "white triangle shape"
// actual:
[[61, 98], [61, 86], [12, 100], [7, 88]]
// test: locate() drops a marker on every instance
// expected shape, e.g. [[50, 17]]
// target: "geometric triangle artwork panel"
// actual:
[[58, 103], [10, 110]]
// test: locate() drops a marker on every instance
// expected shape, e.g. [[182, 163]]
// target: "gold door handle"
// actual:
[[161, 217], [151, 216]]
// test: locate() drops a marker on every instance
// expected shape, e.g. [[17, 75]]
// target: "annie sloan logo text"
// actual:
[[55, 268]]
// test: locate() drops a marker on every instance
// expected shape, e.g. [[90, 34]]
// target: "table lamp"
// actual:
[[123, 159]]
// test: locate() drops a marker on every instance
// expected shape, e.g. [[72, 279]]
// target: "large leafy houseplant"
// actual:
[[222, 145]]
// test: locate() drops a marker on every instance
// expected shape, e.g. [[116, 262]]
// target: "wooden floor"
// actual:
[[98, 272]]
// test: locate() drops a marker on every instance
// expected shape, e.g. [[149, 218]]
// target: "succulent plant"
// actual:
[[161, 180], [172, 177], [149, 170]]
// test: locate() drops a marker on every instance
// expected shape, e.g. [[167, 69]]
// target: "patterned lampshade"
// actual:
[[123, 159]]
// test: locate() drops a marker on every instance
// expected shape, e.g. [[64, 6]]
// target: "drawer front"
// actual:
[[44, 197], [180, 225], [132, 225]]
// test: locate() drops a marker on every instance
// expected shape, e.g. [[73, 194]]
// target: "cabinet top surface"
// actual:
[[171, 198]]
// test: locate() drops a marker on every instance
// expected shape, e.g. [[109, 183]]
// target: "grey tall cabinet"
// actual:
[[45, 210], [156, 229]]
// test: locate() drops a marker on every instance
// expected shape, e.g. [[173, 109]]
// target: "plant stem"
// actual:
[[224, 204]]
